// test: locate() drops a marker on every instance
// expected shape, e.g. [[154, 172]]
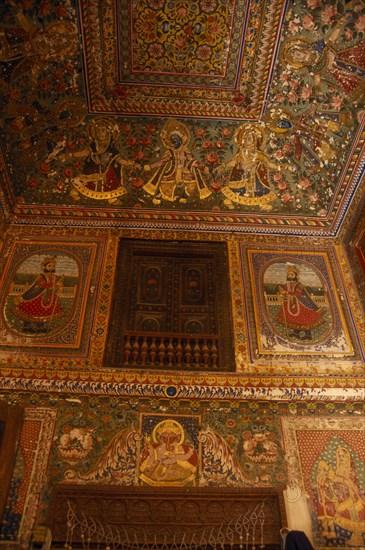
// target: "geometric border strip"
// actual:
[[196, 387]]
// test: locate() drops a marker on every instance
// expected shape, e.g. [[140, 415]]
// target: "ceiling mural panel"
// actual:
[[203, 58], [239, 114]]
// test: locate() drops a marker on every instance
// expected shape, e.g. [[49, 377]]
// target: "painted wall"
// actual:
[[290, 417], [315, 451]]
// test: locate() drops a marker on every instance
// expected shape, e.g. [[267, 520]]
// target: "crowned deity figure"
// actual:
[[103, 175], [168, 460], [327, 62], [178, 175], [249, 170]]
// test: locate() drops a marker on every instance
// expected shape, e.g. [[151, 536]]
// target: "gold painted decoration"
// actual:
[[169, 451], [178, 175], [103, 172], [296, 304], [44, 294]]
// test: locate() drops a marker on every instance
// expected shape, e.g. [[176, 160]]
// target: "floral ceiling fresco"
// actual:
[[228, 113]]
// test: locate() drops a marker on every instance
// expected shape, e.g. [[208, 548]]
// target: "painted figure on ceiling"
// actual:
[[312, 131], [341, 504], [344, 68], [169, 460], [249, 170], [38, 307], [103, 173], [178, 174], [30, 47], [299, 314]]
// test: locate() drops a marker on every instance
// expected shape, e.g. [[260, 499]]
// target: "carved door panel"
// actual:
[[172, 295]]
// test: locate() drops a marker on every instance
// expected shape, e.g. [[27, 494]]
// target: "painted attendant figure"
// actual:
[[103, 175], [298, 314], [39, 305]]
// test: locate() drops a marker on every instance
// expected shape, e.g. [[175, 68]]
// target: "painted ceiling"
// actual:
[[164, 113]]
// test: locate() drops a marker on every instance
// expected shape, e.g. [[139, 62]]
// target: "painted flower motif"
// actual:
[[212, 158], [226, 132], [280, 97], [32, 183], [132, 141], [294, 84], [139, 155], [156, 4], [60, 186], [285, 77], [182, 12], [337, 102], [360, 23], [208, 6], [204, 52], [308, 22], [292, 97], [67, 172], [45, 9], [146, 141], [348, 33], [206, 144], [44, 85], [286, 198], [200, 132], [294, 26], [44, 167], [61, 11], [230, 439], [304, 183], [282, 186], [71, 145], [181, 41], [127, 128], [328, 14], [313, 4], [219, 144], [314, 198], [306, 93], [287, 148], [279, 154], [278, 176], [156, 50]]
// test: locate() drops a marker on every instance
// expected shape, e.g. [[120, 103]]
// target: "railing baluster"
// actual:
[[174, 352], [179, 352], [170, 353], [197, 353], [144, 348], [161, 353], [153, 352], [127, 350]]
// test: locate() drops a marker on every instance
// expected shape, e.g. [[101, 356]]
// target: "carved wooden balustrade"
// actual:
[[185, 351], [119, 517]]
